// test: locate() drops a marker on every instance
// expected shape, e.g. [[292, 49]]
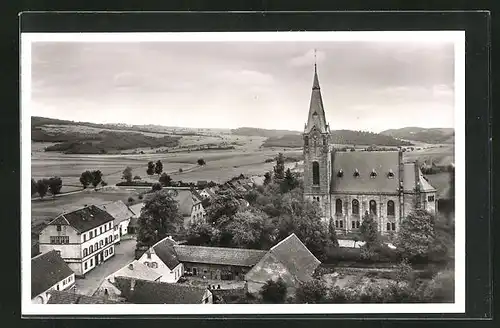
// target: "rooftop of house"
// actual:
[[289, 255], [67, 297], [150, 292], [164, 249], [137, 270], [84, 219], [218, 255], [136, 209], [118, 210], [47, 269]]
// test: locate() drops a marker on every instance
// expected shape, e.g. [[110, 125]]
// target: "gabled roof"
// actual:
[[409, 179], [149, 292], [66, 297], [218, 255], [137, 270], [118, 210], [185, 200], [47, 269], [83, 219], [316, 117], [289, 259], [164, 249], [136, 209], [382, 162], [197, 195]]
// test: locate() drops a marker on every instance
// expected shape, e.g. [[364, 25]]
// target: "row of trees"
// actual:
[[93, 178], [42, 186]]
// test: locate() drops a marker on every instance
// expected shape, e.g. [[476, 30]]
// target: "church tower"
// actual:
[[317, 152]]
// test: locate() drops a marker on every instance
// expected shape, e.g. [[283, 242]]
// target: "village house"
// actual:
[[289, 259], [348, 184], [84, 238], [136, 212], [139, 291], [65, 297], [207, 193], [122, 215], [161, 258], [49, 272]]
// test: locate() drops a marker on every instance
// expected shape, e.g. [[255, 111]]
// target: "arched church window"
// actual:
[[338, 206], [373, 207], [306, 141], [315, 169], [390, 208], [355, 207]]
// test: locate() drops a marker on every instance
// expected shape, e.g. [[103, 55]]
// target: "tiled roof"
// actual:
[[291, 254], [66, 297], [165, 251], [149, 292], [118, 210], [47, 269], [197, 195], [136, 209], [218, 255], [409, 179], [365, 162], [137, 270], [84, 219]]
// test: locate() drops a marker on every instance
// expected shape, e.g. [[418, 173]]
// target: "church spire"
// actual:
[[316, 117]]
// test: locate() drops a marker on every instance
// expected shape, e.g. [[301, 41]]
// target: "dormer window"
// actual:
[[373, 173], [390, 174], [340, 174], [356, 173]]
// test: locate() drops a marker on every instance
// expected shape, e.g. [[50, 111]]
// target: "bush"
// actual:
[[130, 199], [201, 161], [141, 196], [135, 183], [156, 186]]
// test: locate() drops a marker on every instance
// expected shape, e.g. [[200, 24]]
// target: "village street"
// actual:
[[124, 254]]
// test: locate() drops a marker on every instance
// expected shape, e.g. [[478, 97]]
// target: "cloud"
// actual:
[[248, 77], [307, 59]]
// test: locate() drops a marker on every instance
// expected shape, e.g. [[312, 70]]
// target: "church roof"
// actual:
[[316, 117], [373, 172]]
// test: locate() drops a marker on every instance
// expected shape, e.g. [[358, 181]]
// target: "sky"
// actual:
[[370, 86]]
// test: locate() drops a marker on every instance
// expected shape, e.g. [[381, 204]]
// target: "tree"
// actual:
[[96, 178], [33, 187], [416, 235], [224, 204], [127, 174], [311, 292], [86, 179], [201, 233], [165, 179], [104, 183], [274, 291], [404, 271], [151, 168], [55, 185], [451, 191], [156, 186], [159, 167], [332, 234], [279, 168], [159, 218], [42, 187], [369, 230], [252, 229], [201, 161], [290, 182]]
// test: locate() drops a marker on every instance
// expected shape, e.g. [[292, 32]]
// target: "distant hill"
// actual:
[[255, 132], [345, 137], [432, 136]]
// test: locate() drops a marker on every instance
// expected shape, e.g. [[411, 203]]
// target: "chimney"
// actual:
[[131, 266]]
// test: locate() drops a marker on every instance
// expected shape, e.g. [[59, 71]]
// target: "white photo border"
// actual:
[[28, 309]]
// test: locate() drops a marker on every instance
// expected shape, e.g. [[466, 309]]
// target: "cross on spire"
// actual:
[[314, 59]]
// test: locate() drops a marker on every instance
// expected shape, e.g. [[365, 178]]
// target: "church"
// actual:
[[347, 184]]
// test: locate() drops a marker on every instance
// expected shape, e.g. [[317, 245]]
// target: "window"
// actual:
[[116, 237], [106, 241], [373, 173], [336, 224], [58, 227], [338, 206], [341, 222], [357, 224], [91, 262], [85, 252], [430, 198], [91, 249], [354, 224], [91, 234], [111, 250], [390, 174], [85, 266], [59, 240], [388, 226], [84, 237], [355, 207], [101, 243], [57, 287], [106, 252], [154, 265], [146, 263], [96, 246], [390, 208], [95, 232], [315, 172], [356, 173], [373, 207], [393, 224], [306, 140], [100, 230]]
